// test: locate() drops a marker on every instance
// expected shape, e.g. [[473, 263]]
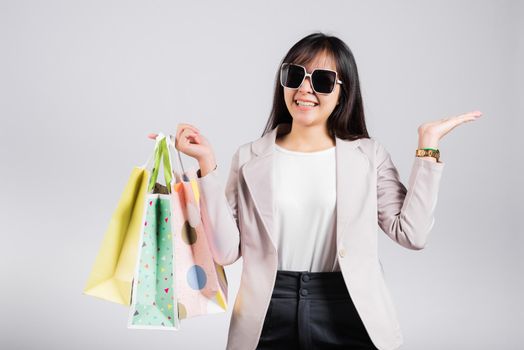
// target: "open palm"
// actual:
[[435, 130]]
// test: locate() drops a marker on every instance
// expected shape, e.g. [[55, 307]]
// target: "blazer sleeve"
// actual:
[[220, 213], [407, 216]]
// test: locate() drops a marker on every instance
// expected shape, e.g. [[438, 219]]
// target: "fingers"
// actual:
[[475, 113], [469, 116], [187, 137], [452, 122], [186, 125], [466, 117], [181, 127], [188, 134], [186, 143]]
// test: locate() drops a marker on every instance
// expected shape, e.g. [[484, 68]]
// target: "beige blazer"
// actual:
[[239, 222]]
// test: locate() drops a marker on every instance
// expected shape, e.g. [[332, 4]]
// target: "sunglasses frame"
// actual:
[[306, 74]]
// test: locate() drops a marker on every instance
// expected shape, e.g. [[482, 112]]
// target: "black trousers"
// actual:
[[312, 310]]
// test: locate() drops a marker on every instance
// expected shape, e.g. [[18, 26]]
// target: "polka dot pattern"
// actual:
[[200, 281], [188, 234], [196, 277], [182, 313], [176, 276]]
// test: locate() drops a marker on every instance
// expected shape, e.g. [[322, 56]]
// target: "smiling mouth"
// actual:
[[305, 104]]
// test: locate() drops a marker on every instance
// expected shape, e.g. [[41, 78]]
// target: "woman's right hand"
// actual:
[[191, 142]]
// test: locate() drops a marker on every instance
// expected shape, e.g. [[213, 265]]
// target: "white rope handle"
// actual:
[[180, 166]]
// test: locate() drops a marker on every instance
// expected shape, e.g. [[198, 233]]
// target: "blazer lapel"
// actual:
[[351, 170]]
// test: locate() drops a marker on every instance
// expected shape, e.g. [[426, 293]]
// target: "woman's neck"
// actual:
[[306, 139]]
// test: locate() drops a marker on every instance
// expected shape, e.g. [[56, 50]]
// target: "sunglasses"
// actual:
[[322, 80]]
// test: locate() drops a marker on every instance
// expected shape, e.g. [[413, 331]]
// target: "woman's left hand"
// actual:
[[430, 133]]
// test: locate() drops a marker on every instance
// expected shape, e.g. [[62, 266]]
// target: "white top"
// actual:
[[305, 210]]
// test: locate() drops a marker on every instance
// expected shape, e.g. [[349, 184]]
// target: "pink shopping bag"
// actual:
[[201, 283]]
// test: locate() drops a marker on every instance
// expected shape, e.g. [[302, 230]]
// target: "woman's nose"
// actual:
[[306, 85]]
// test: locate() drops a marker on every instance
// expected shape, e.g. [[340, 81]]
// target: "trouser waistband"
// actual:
[[310, 285]]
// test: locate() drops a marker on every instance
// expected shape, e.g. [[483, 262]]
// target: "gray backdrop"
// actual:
[[83, 82]]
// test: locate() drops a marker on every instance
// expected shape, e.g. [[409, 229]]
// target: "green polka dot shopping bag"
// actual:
[[175, 275]]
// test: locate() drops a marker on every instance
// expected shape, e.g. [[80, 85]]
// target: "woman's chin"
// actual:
[[304, 118]]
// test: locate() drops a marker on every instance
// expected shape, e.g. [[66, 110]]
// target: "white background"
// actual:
[[83, 82]]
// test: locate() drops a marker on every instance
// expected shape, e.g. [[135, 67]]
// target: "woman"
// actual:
[[301, 206]]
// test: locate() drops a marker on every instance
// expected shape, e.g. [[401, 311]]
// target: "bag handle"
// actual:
[[162, 151], [161, 154], [151, 157], [179, 163]]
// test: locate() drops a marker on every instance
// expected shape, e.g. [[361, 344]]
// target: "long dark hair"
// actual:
[[347, 119]]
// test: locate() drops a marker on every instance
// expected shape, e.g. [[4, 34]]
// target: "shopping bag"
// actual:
[[153, 298], [201, 284], [185, 282], [112, 272]]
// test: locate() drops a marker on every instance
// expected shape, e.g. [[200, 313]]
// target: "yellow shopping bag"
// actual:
[[112, 274]]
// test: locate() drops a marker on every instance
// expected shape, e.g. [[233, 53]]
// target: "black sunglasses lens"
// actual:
[[292, 76], [324, 81]]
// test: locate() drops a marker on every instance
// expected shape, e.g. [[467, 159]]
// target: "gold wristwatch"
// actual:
[[428, 152]]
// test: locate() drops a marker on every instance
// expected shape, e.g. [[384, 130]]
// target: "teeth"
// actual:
[[302, 103]]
